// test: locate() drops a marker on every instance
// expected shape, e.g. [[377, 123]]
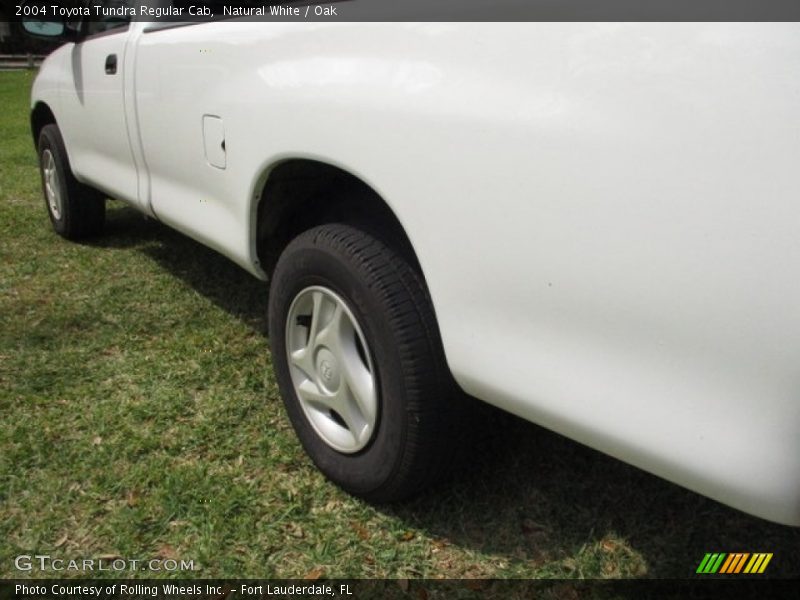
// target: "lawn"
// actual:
[[140, 419]]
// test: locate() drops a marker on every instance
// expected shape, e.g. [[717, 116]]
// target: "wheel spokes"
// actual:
[[330, 335], [331, 369], [310, 392], [360, 386], [51, 185], [316, 315], [356, 423]]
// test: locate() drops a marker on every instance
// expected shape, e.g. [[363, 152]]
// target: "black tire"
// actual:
[[419, 409], [82, 209]]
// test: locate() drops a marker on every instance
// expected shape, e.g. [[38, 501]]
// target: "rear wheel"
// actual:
[[76, 210], [360, 363]]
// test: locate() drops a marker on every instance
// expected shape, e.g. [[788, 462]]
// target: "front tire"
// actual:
[[360, 364], [76, 210]]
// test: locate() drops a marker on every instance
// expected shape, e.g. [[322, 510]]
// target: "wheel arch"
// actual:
[[295, 194], [41, 115]]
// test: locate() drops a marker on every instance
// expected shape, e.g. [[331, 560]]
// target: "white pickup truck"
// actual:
[[593, 226]]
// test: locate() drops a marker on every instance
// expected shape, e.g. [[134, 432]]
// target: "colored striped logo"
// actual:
[[736, 562]]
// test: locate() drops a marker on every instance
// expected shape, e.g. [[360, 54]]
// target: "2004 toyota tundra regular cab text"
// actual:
[[593, 226]]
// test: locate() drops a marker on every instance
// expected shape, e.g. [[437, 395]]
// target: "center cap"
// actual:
[[328, 369]]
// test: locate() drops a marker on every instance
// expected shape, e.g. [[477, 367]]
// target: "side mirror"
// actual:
[[39, 21], [43, 29]]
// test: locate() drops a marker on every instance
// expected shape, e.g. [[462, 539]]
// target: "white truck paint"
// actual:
[[606, 215]]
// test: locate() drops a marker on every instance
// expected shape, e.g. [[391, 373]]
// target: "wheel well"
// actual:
[[300, 194], [41, 115]]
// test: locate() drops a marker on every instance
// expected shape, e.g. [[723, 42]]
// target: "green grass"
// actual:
[[140, 418]]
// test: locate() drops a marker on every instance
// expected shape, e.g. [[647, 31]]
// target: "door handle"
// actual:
[[111, 64]]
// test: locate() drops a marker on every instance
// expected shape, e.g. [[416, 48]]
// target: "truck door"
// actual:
[[93, 104]]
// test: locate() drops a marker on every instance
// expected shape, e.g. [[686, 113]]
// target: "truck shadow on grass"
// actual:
[[534, 498], [224, 283], [537, 497]]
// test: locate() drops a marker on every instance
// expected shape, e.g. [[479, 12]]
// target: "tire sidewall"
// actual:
[[370, 468]]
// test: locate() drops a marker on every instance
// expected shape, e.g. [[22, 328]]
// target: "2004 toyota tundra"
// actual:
[[593, 226]]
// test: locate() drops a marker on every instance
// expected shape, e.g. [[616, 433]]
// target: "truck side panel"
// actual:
[[606, 215]]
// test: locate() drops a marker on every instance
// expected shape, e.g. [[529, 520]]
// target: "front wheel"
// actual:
[[360, 364], [76, 211]]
